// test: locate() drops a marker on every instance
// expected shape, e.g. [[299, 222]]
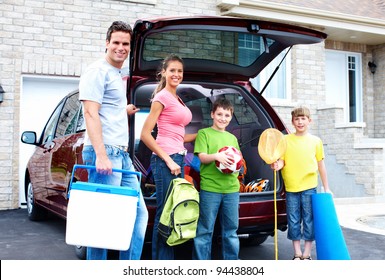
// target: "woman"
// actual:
[[171, 116]]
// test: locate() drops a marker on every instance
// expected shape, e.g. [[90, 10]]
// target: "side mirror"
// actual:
[[28, 137]]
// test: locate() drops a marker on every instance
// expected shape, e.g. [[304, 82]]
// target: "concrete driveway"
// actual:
[[22, 239]]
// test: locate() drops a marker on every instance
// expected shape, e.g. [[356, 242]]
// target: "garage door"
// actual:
[[39, 97]]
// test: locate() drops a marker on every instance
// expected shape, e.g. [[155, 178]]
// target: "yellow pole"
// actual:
[[275, 216]]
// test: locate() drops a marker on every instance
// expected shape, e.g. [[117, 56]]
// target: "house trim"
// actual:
[[329, 21]]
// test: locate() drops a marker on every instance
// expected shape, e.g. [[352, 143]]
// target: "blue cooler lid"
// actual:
[[94, 187]]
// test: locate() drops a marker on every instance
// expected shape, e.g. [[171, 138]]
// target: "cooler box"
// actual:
[[101, 216]]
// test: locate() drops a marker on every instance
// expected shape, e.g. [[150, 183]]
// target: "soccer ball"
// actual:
[[237, 160]]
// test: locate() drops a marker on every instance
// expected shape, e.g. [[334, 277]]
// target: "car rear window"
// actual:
[[237, 48]]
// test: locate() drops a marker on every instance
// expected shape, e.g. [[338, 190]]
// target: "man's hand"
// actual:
[[103, 165]]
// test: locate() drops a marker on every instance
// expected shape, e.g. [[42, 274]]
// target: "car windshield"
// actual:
[[237, 48]]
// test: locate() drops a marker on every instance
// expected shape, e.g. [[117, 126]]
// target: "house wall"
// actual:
[[360, 147]]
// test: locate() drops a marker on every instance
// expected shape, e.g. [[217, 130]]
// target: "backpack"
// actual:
[[179, 218]]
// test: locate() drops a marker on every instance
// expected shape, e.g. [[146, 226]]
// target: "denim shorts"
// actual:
[[300, 215]]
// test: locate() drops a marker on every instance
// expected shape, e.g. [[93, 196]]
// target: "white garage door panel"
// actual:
[[39, 97]]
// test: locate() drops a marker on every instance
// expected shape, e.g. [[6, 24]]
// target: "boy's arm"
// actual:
[[323, 175], [206, 158], [190, 137]]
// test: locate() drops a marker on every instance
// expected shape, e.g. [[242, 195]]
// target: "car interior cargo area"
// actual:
[[247, 125]]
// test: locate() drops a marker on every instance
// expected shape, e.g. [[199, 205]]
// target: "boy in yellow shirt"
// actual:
[[304, 157]]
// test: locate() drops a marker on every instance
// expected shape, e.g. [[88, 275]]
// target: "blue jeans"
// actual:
[[120, 160], [210, 205], [162, 178], [300, 215]]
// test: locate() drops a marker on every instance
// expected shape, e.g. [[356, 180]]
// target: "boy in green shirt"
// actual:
[[219, 192]]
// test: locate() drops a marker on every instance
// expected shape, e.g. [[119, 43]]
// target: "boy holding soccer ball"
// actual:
[[219, 192]]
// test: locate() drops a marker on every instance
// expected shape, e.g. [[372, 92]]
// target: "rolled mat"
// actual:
[[330, 242]]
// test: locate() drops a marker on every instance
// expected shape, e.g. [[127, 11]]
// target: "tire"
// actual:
[[253, 240], [81, 252], [35, 212]]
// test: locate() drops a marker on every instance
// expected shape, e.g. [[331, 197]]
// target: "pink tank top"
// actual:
[[171, 122]]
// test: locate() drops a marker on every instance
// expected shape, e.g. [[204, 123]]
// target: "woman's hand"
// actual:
[[174, 168]]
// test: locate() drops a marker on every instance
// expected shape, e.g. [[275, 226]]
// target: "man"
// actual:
[[105, 108]]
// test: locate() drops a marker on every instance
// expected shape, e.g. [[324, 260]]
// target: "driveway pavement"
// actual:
[[362, 224], [363, 214], [22, 239]]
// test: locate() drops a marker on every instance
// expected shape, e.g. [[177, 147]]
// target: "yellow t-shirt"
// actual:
[[301, 162]]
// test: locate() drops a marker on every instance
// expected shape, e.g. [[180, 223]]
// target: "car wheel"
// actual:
[[81, 252], [35, 212], [253, 240]]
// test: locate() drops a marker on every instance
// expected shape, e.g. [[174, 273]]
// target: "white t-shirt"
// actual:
[[102, 83]]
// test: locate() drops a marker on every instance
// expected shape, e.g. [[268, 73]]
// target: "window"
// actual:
[[343, 83], [352, 88], [49, 132], [81, 125], [68, 121], [279, 86], [249, 48], [236, 48], [243, 114]]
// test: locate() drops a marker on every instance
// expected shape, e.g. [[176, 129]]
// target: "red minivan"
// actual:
[[221, 55]]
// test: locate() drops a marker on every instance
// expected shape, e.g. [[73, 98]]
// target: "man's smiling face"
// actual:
[[118, 48]]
